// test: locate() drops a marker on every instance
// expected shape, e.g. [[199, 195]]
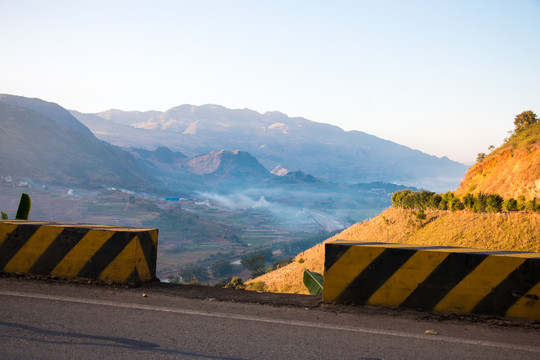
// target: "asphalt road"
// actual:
[[43, 320]]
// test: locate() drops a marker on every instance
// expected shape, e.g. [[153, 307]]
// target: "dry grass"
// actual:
[[514, 231]]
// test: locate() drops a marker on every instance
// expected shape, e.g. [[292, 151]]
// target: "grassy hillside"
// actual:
[[511, 170], [37, 147], [512, 231]]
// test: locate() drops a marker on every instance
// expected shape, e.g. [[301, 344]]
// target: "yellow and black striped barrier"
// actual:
[[62, 250], [501, 283]]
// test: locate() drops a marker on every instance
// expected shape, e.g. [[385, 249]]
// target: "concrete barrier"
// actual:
[[62, 250], [433, 278]]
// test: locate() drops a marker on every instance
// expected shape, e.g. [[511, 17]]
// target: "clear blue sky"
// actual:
[[444, 77]]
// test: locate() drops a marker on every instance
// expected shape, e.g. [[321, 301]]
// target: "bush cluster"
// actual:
[[480, 202]]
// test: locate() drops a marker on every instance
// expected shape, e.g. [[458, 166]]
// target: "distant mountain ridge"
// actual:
[[323, 150], [48, 109], [42, 141], [233, 144]]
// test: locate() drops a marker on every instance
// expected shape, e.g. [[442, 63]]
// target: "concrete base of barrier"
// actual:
[[437, 278], [99, 252]]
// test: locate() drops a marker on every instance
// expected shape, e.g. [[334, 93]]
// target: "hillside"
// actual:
[[325, 151], [48, 109], [227, 163], [513, 231], [54, 148], [511, 170]]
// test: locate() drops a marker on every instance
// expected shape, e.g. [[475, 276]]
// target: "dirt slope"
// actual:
[[511, 170]]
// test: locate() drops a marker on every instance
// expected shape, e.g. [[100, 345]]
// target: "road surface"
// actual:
[[50, 320]]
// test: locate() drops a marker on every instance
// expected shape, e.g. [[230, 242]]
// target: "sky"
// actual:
[[443, 77]]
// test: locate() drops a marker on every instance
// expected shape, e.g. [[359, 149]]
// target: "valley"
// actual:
[[232, 192], [199, 229]]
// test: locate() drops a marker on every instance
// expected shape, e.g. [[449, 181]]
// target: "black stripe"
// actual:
[[149, 250], [333, 252], [106, 254], [442, 280], [133, 278], [511, 289], [14, 241], [375, 275], [57, 250]]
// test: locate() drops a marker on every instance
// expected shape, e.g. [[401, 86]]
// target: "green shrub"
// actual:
[[256, 286], [480, 202], [468, 201], [494, 203], [235, 283], [434, 201], [510, 205], [521, 202], [443, 205], [456, 205], [422, 200]]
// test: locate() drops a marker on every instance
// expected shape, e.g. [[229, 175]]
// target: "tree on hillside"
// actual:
[[220, 268], [480, 157], [523, 120], [194, 273], [255, 264]]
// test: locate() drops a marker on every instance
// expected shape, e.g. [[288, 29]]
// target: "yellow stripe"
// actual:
[[346, 269], [123, 265], [479, 283], [74, 261], [527, 306], [5, 230], [528, 255], [154, 235], [74, 225], [23, 222], [33, 249], [140, 263], [404, 281]]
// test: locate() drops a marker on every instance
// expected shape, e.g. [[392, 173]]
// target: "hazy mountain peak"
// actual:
[[50, 110], [224, 162], [128, 117]]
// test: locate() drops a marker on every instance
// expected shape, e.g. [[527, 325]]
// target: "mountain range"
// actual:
[[276, 141], [190, 147]]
